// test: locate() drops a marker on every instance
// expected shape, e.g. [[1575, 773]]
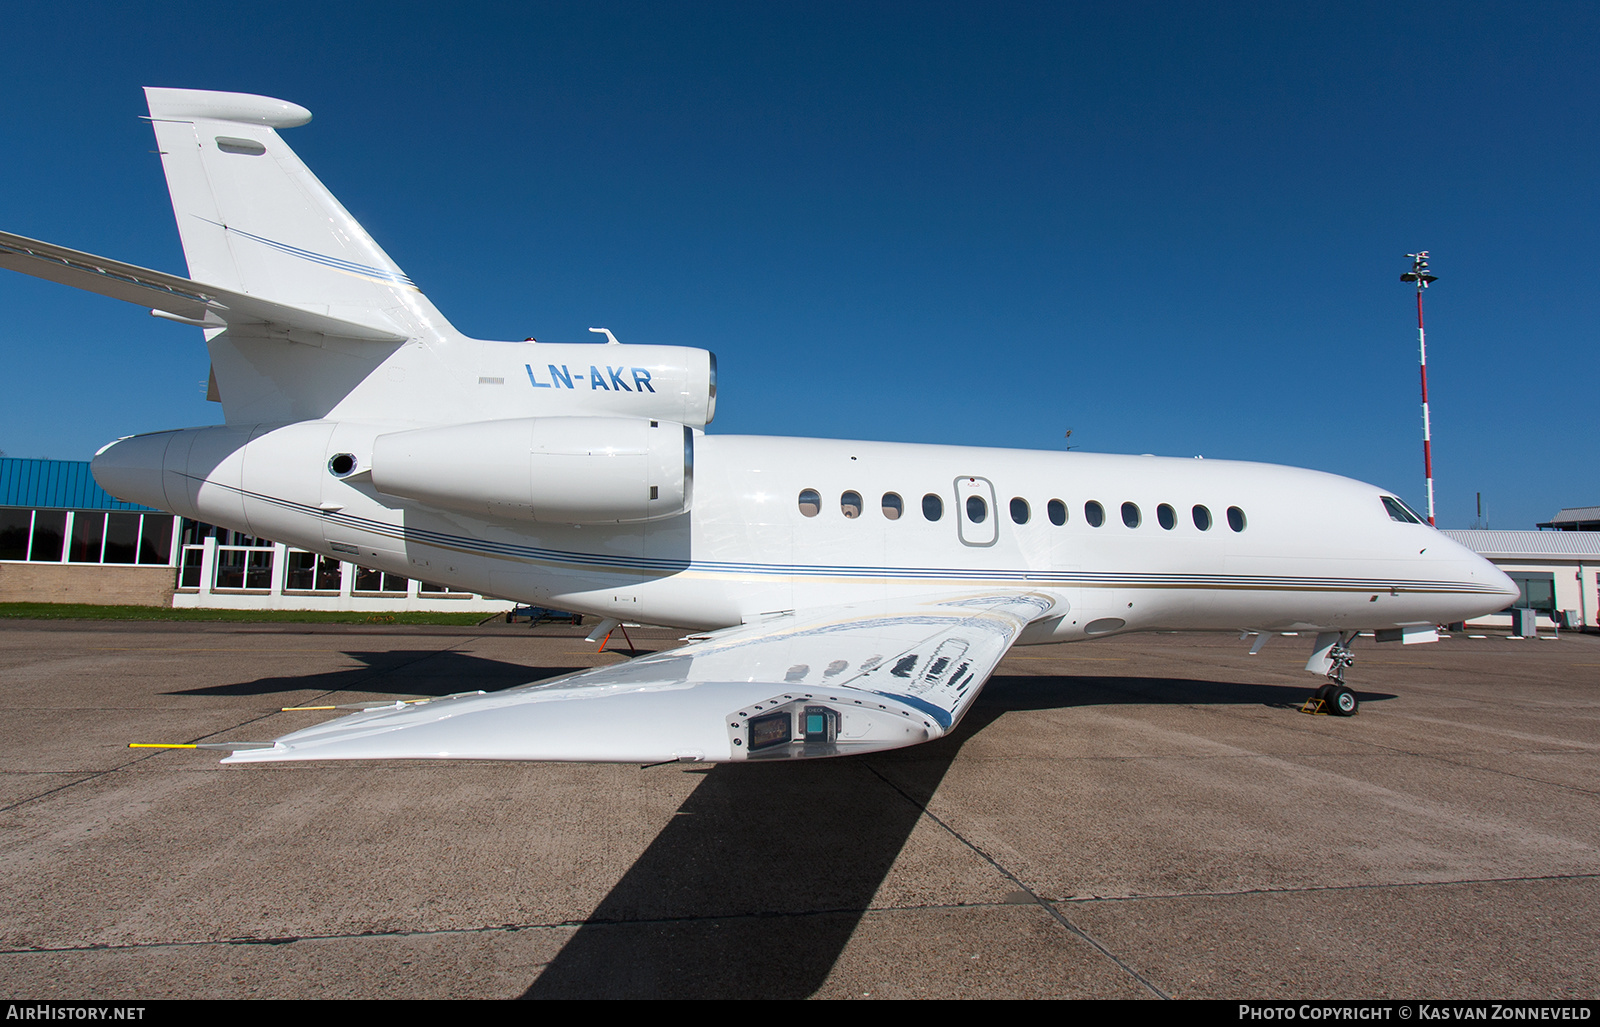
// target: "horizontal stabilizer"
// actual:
[[191, 302]]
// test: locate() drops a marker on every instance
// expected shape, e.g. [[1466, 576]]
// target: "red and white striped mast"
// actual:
[[1419, 274]]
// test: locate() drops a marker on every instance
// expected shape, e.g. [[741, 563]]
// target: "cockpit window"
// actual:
[[1398, 511]]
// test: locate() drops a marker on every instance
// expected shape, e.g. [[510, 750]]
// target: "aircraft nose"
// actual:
[[1501, 580], [1495, 584]]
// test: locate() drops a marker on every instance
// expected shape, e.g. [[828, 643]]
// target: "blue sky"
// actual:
[[1171, 228]]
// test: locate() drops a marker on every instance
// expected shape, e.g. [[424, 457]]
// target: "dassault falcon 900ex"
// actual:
[[844, 597]]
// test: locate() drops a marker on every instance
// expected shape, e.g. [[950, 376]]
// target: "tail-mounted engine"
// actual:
[[568, 470]]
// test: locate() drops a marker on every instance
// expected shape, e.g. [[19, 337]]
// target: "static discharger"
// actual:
[[229, 746], [394, 704]]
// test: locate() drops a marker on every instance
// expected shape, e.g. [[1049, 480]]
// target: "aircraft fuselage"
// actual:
[[779, 524]]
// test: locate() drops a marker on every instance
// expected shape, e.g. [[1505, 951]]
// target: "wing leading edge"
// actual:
[[179, 298], [850, 680]]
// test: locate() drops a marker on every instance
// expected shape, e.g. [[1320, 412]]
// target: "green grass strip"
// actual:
[[87, 611]]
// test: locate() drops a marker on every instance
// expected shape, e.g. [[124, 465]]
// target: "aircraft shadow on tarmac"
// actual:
[[410, 672], [1021, 692], [760, 879], [756, 885]]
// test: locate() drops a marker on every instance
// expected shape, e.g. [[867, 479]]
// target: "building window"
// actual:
[[88, 537], [38, 536], [369, 580], [1537, 591], [122, 538], [155, 539], [49, 536], [14, 528], [248, 568], [308, 572], [194, 565]]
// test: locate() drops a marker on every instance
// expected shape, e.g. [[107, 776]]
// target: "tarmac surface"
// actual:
[[1137, 817]]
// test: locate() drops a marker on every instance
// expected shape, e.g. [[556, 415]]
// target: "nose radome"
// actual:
[[1479, 569]]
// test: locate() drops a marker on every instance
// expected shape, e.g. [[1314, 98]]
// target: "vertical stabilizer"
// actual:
[[255, 220]]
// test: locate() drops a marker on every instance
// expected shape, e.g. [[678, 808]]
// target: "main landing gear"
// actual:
[[1335, 697]]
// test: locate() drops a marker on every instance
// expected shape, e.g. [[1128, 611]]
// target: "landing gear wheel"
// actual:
[[1341, 701]]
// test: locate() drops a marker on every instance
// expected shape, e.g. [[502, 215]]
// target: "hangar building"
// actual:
[[63, 539]]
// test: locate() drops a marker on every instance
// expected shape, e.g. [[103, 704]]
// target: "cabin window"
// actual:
[[1236, 519], [1166, 516], [1019, 510], [1057, 511], [932, 507], [1130, 515], [892, 506], [977, 509], [1202, 518], [1094, 513], [1398, 511], [850, 504], [810, 502]]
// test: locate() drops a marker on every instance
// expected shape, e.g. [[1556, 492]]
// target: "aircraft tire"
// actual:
[[1342, 702]]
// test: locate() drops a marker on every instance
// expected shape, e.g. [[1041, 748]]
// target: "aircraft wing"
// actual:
[[846, 680], [188, 301]]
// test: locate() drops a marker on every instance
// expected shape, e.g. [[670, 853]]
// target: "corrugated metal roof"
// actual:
[[1530, 544], [1577, 513], [54, 484]]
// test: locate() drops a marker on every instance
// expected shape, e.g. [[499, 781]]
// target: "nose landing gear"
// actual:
[[1334, 655]]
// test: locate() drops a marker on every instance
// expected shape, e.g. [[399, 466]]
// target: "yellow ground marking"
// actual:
[[175, 649]]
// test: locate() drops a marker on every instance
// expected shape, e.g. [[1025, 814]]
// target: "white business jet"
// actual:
[[844, 597]]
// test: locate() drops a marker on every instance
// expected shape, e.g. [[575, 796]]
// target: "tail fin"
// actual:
[[255, 220]]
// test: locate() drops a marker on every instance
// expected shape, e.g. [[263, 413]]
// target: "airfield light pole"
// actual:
[[1419, 273]]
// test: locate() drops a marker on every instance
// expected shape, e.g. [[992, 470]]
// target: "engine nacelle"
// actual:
[[567, 470]]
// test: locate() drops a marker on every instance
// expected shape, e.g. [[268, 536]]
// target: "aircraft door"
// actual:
[[975, 512]]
